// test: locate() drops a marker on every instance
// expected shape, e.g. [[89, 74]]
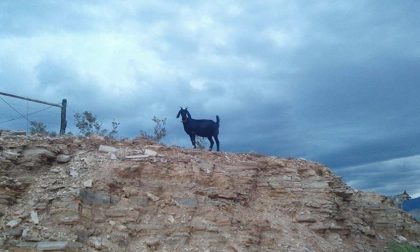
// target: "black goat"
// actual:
[[203, 128]]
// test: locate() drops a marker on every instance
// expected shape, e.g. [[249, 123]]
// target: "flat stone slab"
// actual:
[[186, 202], [149, 152], [37, 152], [10, 155], [47, 246], [13, 223], [107, 149], [56, 245]]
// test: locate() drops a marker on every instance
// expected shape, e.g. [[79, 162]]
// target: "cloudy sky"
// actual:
[[332, 81]]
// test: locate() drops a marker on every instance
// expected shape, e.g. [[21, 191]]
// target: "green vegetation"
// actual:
[[88, 124], [159, 130], [402, 247], [38, 128]]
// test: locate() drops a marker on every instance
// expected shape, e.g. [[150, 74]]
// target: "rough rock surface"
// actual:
[[141, 196]]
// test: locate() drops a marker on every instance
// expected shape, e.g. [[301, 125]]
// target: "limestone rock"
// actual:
[[157, 198], [108, 149], [88, 183], [152, 196], [401, 238], [73, 172], [63, 158], [57, 245], [31, 235], [150, 152], [13, 223], [37, 153], [34, 217], [10, 155]]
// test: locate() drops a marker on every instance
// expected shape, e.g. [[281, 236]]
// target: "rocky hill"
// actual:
[[71, 194]]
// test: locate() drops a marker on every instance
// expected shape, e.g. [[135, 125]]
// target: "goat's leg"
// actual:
[[211, 143], [192, 136], [217, 142]]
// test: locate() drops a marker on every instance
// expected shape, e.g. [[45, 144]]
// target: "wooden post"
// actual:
[[63, 123]]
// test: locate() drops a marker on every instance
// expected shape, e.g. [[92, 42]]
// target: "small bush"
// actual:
[[88, 124], [113, 133], [159, 130], [38, 128]]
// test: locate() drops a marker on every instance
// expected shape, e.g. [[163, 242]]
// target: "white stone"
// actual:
[[55, 170], [13, 223], [121, 228], [38, 152], [13, 156], [73, 173], [152, 196], [108, 149], [52, 245], [34, 217], [401, 238], [150, 153], [137, 156], [63, 158], [88, 183]]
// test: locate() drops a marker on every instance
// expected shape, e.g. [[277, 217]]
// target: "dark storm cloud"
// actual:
[[385, 176], [336, 82], [377, 101]]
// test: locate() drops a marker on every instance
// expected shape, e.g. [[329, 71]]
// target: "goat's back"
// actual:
[[204, 127]]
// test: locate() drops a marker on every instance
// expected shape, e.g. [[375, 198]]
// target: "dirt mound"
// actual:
[[70, 194]]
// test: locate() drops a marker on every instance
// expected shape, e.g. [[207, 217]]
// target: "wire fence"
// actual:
[[17, 114]]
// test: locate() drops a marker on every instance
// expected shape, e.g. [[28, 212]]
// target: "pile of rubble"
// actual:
[[93, 194]]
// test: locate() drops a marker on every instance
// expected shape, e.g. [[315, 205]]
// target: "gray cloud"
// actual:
[[382, 176]]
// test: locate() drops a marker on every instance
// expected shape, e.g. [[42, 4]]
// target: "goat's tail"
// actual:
[[217, 120]]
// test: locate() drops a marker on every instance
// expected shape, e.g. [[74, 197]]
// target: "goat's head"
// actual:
[[183, 112]]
